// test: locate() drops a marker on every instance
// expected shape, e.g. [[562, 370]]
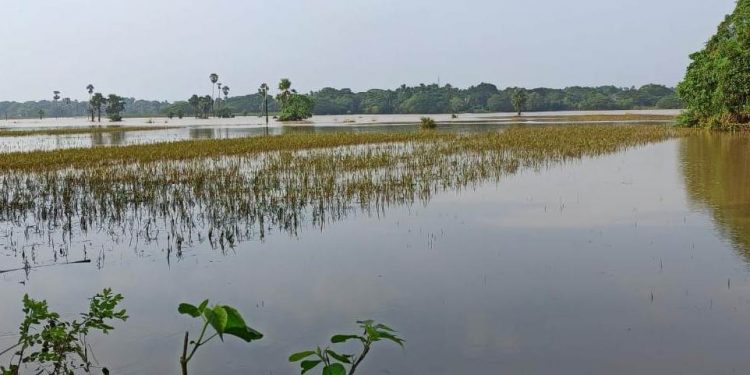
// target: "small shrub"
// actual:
[[58, 346], [335, 363], [427, 123]]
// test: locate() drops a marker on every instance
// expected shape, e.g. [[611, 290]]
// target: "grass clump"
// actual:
[[427, 123]]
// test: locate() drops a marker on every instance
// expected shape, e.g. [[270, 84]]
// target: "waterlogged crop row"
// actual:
[[173, 197]]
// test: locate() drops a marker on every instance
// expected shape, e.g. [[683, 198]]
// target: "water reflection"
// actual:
[[175, 206], [596, 255], [716, 168], [107, 139], [201, 133]]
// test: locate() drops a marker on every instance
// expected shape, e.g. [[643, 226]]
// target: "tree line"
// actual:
[[428, 99], [74, 108], [485, 97]]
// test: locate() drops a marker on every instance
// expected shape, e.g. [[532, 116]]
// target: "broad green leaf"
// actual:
[[388, 336], [334, 369], [342, 338], [339, 357], [236, 326], [385, 328], [188, 309], [301, 355], [202, 306], [309, 365], [372, 333], [217, 317]]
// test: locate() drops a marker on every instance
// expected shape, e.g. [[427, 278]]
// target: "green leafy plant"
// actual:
[[335, 363], [427, 123], [717, 83], [224, 320], [56, 346]]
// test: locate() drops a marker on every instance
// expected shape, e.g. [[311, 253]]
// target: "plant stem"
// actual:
[[9, 349], [183, 359], [198, 343], [365, 350]]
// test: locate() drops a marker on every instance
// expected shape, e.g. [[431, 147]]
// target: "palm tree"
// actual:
[[90, 89], [519, 99], [263, 90], [284, 93], [55, 98], [218, 98], [97, 102], [214, 78], [225, 90]]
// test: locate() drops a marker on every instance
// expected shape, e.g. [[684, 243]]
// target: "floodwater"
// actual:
[[190, 128], [635, 262]]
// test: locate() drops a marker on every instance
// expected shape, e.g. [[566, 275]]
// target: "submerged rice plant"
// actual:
[[176, 196]]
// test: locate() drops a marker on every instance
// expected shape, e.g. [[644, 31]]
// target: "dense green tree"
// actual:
[[298, 107], [519, 100], [477, 96], [294, 106], [115, 106], [716, 88], [668, 102]]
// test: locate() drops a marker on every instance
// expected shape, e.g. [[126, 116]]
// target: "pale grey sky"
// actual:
[[165, 49]]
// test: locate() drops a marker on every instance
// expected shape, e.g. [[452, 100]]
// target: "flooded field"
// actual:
[[559, 249], [166, 130]]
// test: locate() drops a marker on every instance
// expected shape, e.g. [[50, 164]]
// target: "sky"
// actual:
[[166, 49]]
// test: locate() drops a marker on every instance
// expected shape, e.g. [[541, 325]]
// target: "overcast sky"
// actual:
[[165, 49]]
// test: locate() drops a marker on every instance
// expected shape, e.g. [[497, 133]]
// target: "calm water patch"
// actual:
[[634, 262]]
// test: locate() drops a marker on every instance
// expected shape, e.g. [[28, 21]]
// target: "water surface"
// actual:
[[244, 126], [634, 262]]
